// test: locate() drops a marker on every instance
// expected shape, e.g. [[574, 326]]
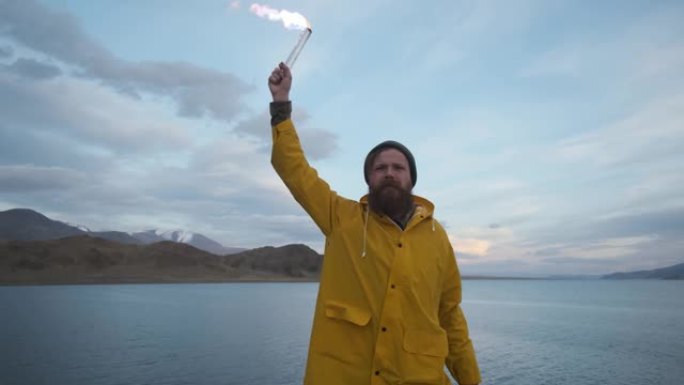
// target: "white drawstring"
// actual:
[[365, 229], [433, 224]]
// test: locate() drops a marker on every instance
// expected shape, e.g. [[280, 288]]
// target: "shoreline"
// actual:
[[169, 281], [149, 281]]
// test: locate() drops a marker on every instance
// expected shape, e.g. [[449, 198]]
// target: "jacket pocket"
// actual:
[[424, 357], [341, 311], [342, 339], [427, 343]]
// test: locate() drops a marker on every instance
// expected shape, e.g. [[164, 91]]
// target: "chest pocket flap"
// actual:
[[342, 311], [427, 343]]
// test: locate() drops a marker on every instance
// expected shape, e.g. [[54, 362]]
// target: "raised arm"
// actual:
[[287, 156]]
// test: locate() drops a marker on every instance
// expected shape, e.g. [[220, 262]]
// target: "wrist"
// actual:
[[280, 111], [281, 97]]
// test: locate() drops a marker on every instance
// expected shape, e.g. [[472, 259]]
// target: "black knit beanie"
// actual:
[[397, 146]]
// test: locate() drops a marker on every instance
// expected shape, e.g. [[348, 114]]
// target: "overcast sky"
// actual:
[[549, 134]]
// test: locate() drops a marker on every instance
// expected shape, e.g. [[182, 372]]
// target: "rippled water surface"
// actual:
[[525, 332]]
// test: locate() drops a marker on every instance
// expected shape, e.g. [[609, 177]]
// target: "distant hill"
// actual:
[[670, 272], [29, 225], [116, 236], [86, 259], [291, 260]]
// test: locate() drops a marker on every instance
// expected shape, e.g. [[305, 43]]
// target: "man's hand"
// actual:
[[280, 83]]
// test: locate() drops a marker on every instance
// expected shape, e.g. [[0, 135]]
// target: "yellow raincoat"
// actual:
[[388, 308]]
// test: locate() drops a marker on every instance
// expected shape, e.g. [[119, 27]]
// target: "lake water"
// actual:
[[525, 332]]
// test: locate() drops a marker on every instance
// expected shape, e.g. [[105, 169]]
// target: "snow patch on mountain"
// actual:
[[181, 236], [80, 227]]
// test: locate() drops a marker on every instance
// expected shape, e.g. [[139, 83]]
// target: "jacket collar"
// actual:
[[423, 210], [424, 207]]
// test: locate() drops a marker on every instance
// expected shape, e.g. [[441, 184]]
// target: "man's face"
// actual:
[[389, 166], [389, 182]]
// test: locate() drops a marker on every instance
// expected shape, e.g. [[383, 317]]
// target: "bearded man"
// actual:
[[388, 307]]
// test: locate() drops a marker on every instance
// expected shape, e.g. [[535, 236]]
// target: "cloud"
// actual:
[[33, 69], [257, 126], [6, 51], [461, 34], [470, 246], [88, 113], [475, 244], [644, 50], [651, 134], [610, 248], [626, 241], [290, 228], [20, 146], [612, 179], [612, 255], [508, 201], [197, 91], [317, 143], [654, 191], [226, 191], [29, 178], [601, 245], [669, 221], [461, 256]]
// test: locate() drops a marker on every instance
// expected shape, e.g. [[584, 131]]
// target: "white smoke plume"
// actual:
[[291, 20]]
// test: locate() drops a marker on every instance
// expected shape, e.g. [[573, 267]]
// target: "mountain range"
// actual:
[[35, 249], [30, 225], [86, 259], [670, 272]]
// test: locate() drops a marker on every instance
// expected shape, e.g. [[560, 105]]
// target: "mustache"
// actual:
[[390, 183]]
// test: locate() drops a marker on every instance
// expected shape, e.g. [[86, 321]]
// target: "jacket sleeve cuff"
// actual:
[[280, 112]]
